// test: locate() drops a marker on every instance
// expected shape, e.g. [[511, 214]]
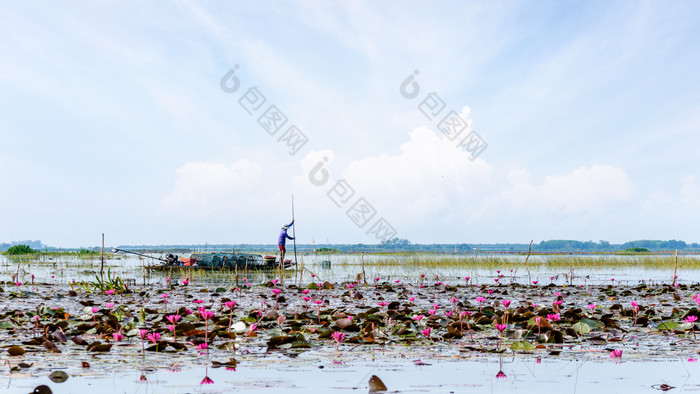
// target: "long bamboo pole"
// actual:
[[294, 233]]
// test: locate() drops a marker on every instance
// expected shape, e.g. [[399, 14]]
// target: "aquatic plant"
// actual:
[[692, 319], [230, 305], [338, 337], [500, 328], [173, 319], [277, 293]]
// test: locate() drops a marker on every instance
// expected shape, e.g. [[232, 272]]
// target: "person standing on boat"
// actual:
[[282, 241]]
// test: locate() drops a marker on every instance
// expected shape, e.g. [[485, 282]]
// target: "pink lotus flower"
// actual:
[[411, 299], [426, 332], [142, 333], [500, 327], [253, 327], [198, 301], [276, 291], [419, 317], [591, 306], [338, 336], [202, 346], [206, 380], [109, 292], [534, 282], [553, 317], [691, 319], [154, 337], [117, 336], [616, 353], [206, 315], [305, 291], [173, 319], [230, 304], [505, 303]]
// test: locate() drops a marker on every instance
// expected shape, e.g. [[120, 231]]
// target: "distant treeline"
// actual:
[[401, 245], [604, 246], [36, 245]]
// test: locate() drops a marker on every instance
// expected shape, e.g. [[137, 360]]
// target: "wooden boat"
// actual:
[[215, 261]]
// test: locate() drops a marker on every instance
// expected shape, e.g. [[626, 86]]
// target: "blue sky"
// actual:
[[112, 119]]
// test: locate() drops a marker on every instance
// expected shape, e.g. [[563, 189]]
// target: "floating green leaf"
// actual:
[[668, 325], [581, 328]]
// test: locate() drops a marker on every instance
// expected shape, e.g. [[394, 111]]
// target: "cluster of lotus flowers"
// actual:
[[353, 312]]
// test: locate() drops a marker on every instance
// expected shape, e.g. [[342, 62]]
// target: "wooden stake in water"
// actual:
[[675, 266], [362, 259], [102, 257], [294, 233]]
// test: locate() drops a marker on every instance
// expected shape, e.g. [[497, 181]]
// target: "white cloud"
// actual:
[[429, 179], [210, 189], [584, 189]]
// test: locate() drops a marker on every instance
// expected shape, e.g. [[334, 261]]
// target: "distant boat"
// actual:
[[215, 261]]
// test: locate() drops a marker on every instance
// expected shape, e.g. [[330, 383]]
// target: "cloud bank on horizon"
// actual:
[[113, 119]]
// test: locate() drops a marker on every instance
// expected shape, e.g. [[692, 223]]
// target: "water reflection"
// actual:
[[207, 379]]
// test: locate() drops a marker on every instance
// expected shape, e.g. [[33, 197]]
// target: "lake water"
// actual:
[[443, 370], [345, 267]]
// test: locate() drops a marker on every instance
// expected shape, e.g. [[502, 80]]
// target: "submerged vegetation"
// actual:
[[518, 262]]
